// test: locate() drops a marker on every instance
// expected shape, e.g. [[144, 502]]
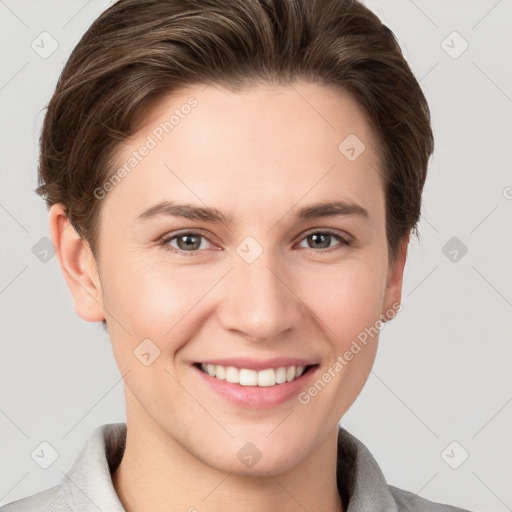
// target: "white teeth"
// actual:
[[220, 372], [232, 375], [290, 373], [247, 377], [281, 375], [267, 377]]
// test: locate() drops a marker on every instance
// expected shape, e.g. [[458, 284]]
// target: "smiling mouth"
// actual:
[[247, 377]]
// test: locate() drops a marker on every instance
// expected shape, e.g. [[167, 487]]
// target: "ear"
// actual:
[[78, 266], [393, 292]]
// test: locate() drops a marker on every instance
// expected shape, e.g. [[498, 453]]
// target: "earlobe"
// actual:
[[78, 266], [393, 293]]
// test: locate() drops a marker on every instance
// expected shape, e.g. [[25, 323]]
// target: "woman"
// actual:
[[232, 187]]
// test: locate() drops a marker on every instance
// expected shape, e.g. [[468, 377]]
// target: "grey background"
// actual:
[[443, 369]]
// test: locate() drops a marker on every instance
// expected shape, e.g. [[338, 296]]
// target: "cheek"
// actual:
[[170, 304], [348, 300], [153, 300]]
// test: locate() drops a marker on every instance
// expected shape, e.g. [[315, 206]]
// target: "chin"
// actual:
[[276, 464]]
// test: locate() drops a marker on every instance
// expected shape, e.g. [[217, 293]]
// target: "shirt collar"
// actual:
[[359, 472], [88, 487]]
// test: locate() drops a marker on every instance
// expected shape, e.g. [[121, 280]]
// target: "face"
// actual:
[[261, 278]]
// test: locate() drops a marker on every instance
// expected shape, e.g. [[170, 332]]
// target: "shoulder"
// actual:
[[410, 502], [49, 500], [88, 482]]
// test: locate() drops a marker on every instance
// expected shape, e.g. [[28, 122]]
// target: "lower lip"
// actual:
[[256, 397]]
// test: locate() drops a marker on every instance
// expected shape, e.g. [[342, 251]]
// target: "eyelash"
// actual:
[[164, 241]]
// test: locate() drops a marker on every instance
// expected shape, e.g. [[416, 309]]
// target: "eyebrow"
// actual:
[[207, 214]]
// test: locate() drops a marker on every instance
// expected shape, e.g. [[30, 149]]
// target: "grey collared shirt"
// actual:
[[87, 486]]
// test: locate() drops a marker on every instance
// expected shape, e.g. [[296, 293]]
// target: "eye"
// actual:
[[322, 239], [186, 241], [192, 241]]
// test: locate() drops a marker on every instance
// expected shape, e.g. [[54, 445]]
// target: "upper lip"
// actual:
[[259, 364]]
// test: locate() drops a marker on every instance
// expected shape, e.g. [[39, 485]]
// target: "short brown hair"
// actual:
[[139, 51]]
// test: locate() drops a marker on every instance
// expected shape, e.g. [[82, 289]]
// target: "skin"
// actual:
[[258, 155]]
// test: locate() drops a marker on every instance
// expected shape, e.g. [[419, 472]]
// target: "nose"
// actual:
[[259, 301]]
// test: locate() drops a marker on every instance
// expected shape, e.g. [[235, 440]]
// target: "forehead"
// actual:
[[250, 148]]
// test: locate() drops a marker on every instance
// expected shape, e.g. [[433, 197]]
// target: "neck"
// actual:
[[157, 473]]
